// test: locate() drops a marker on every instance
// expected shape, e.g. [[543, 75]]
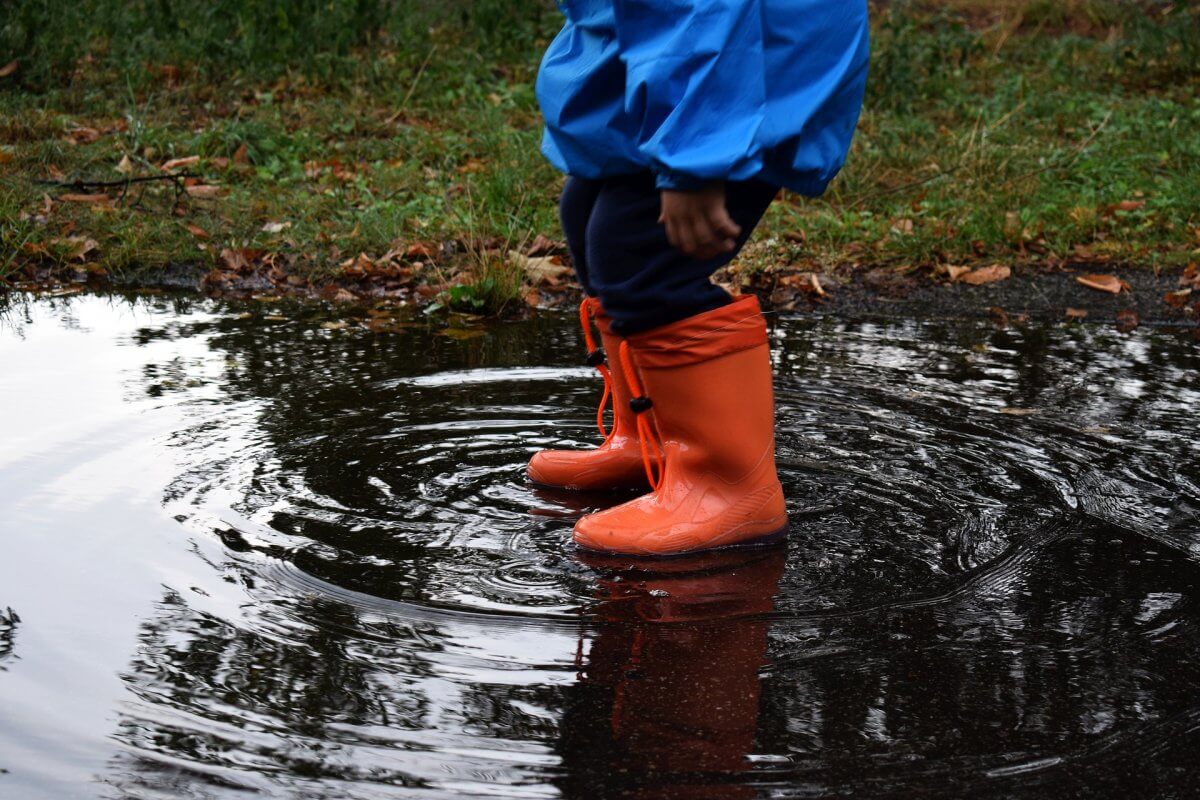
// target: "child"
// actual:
[[677, 122]]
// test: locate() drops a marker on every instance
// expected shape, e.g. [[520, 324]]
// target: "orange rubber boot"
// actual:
[[708, 380], [617, 462]]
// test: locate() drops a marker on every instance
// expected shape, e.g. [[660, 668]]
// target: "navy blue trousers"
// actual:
[[622, 255]]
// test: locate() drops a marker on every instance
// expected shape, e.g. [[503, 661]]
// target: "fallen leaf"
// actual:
[[1077, 313], [904, 227], [205, 191], [1018, 412], [1177, 299], [197, 231], [544, 246], [1103, 283], [276, 227], [239, 259], [10, 68], [241, 155], [1127, 320], [978, 277], [6, 156], [82, 135], [419, 250], [336, 325], [94, 199], [1190, 276], [815, 283], [80, 247], [540, 268], [124, 166], [176, 163], [955, 272], [1129, 205], [999, 316]]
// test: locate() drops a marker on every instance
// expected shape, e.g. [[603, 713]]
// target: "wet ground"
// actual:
[[248, 552]]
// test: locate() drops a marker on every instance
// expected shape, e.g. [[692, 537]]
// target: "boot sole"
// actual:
[[764, 541]]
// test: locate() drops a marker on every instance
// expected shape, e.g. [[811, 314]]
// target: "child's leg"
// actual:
[[574, 210], [642, 281]]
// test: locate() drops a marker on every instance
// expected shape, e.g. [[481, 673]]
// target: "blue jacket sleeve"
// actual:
[[695, 82]]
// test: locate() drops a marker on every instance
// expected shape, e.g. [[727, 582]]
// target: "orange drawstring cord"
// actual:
[[596, 359], [647, 436]]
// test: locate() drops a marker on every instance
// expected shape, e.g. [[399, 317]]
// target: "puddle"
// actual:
[[241, 553]]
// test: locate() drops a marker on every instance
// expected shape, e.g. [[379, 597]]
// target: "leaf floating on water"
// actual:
[[1103, 283], [1077, 313], [461, 334], [1018, 412], [978, 277], [336, 325], [1128, 320]]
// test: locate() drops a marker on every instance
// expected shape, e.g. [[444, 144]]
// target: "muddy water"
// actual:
[[245, 552]]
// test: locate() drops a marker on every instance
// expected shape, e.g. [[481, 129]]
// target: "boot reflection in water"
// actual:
[[667, 703]]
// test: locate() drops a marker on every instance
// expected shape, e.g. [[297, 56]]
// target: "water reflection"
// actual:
[[668, 691]]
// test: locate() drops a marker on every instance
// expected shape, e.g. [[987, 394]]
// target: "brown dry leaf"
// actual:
[[955, 272], [1012, 225], [1018, 412], [419, 250], [978, 277], [94, 199], [205, 191], [6, 156], [544, 246], [471, 166], [815, 283], [239, 259], [197, 231], [1190, 276], [82, 135], [1177, 299], [1129, 205], [10, 68], [36, 249], [1127, 320], [902, 226], [533, 298], [176, 163], [358, 266], [241, 155], [540, 268], [276, 227], [80, 247], [999, 316], [1077, 313], [124, 166], [1103, 283]]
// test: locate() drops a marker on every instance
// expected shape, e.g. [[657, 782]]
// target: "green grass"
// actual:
[[1015, 131]]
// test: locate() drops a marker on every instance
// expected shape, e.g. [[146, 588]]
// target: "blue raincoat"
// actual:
[[700, 90]]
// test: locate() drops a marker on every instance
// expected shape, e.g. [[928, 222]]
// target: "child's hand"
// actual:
[[697, 222]]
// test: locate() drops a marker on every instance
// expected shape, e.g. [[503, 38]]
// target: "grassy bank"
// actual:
[[391, 149]]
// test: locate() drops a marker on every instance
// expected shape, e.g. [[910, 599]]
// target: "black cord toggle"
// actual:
[[597, 357], [640, 404]]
